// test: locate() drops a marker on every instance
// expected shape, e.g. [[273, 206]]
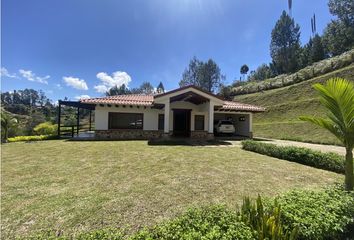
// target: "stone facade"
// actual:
[[128, 134]]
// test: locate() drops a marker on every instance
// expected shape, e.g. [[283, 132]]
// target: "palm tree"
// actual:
[[6, 123], [337, 96]]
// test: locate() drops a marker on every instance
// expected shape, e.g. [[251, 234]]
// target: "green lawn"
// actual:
[[78, 186]]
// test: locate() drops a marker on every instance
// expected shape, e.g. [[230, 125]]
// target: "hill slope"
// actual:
[[285, 105]]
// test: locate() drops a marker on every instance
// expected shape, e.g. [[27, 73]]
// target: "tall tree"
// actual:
[[244, 70], [337, 96], [6, 123], [339, 34], [317, 51], [205, 75], [122, 90], [160, 88], [146, 88], [285, 44]]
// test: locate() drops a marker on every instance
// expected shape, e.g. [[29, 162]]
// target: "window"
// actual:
[[125, 120], [199, 122], [161, 121]]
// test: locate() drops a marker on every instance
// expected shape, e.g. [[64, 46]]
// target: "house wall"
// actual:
[[150, 116]]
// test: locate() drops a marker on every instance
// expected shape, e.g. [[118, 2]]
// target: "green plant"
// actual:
[[337, 96], [214, 222], [6, 123], [327, 161], [31, 138], [325, 214], [266, 222], [46, 128]]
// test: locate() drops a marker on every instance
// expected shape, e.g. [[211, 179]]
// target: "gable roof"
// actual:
[[149, 100]]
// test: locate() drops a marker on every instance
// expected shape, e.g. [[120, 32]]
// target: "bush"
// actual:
[[318, 215], [327, 161], [46, 128], [31, 138], [215, 222]]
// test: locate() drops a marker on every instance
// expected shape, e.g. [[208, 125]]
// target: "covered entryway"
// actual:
[[241, 121], [181, 122]]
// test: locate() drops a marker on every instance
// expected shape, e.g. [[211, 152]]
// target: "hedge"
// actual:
[[326, 161], [31, 138]]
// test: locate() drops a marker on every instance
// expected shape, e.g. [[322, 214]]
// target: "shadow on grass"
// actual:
[[187, 142]]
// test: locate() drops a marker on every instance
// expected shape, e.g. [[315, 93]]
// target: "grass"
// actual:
[[78, 186], [285, 105]]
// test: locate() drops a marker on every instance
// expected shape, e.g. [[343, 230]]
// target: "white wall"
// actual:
[[150, 116]]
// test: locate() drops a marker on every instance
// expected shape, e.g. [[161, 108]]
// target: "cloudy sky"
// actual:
[[83, 47]]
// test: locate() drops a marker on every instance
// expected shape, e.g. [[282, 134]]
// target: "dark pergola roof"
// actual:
[[77, 104]]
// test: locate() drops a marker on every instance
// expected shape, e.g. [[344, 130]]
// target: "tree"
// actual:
[[244, 70], [337, 96], [338, 38], [205, 75], [160, 88], [317, 52], [339, 34], [122, 90], [262, 72], [285, 44], [225, 92], [6, 123], [146, 88]]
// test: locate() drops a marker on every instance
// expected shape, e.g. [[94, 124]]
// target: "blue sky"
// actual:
[[80, 47]]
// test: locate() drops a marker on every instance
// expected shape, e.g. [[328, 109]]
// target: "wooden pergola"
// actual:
[[78, 105]]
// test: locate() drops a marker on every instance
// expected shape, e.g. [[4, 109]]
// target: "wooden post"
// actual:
[[90, 121], [78, 121], [59, 113]]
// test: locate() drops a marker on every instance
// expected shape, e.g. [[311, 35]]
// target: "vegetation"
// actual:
[[205, 75], [7, 121], [326, 214], [46, 128], [327, 161], [31, 138], [285, 105], [298, 214], [71, 187], [160, 88], [337, 96], [144, 88], [285, 45], [244, 70]]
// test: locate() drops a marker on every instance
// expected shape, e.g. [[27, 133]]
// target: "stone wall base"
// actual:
[[201, 135], [128, 134]]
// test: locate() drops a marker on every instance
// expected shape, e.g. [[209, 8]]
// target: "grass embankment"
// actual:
[[285, 105], [81, 186]]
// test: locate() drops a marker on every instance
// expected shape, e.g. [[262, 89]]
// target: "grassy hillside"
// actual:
[[285, 105]]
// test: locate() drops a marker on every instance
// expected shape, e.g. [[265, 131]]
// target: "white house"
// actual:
[[185, 112]]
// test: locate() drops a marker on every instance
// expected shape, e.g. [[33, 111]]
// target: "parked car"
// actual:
[[224, 127]]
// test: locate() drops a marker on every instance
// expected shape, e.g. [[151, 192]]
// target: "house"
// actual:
[[184, 112]]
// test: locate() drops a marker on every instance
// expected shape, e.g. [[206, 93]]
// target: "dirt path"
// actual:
[[319, 147]]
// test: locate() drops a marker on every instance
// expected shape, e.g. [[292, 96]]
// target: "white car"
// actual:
[[224, 127]]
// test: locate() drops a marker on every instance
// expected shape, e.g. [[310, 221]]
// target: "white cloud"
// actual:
[[5, 73], [76, 83], [82, 97], [30, 76], [58, 86], [108, 81], [101, 88]]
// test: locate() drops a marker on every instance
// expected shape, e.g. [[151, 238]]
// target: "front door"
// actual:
[[181, 122]]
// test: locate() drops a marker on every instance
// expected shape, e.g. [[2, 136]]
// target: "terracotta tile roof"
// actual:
[[148, 100], [230, 105], [131, 99]]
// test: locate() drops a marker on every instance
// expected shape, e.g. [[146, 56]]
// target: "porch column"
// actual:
[[211, 117], [167, 117]]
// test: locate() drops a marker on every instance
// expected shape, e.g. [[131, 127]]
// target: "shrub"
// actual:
[[322, 214], [31, 138], [46, 128], [327, 161], [214, 222]]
